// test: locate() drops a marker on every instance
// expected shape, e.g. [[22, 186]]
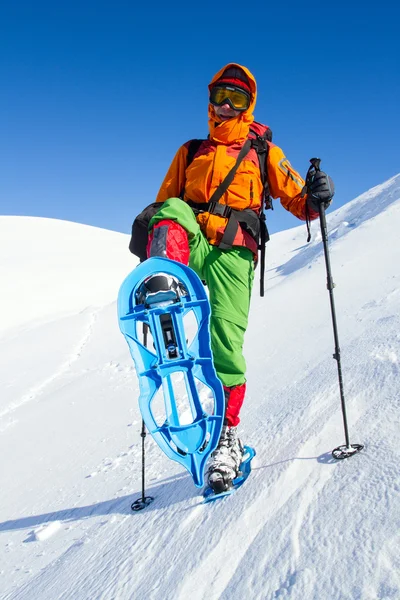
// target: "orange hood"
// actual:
[[236, 129]]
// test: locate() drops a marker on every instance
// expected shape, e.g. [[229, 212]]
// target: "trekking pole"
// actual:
[[348, 449], [144, 501]]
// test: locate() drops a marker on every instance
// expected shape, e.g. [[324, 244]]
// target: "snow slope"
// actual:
[[304, 525], [50, 268]]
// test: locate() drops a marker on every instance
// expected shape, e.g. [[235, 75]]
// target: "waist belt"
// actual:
[[247, 218]]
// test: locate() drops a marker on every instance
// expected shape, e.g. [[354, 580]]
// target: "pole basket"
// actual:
[[141, 503], [344, 451]]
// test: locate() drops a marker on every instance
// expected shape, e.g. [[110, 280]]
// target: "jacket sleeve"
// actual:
[[175, 179], [285, 183]]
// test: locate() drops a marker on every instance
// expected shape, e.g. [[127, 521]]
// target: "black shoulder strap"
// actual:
[[213, 204], [194, 145], [259, 143], [233, 224], [223, 186]]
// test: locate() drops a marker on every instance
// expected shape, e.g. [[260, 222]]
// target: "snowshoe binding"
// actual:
[[213, 494], [160, 289], [225, 461]]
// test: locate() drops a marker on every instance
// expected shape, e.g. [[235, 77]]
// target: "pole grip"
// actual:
[[315, 163]]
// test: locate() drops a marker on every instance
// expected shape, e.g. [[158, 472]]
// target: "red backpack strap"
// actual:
[[260, 135]]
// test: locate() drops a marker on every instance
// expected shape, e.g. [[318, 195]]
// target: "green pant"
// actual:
[[229, 276]]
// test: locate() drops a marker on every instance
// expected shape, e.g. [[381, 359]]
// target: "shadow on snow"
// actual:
[[168, 492]]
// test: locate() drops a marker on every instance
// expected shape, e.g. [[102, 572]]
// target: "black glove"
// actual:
[[320, 190]]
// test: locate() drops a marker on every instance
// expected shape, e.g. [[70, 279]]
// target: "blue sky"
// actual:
[[96, 97]]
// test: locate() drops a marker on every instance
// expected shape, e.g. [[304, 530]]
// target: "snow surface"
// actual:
[[303, 526]]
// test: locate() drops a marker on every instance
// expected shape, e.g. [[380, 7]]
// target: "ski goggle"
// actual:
[[236, 98]]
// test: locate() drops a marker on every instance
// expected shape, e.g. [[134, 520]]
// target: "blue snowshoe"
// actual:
[[158, 297]]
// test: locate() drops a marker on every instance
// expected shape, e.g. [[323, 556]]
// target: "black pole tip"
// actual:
[[141, 503], [342, 452]]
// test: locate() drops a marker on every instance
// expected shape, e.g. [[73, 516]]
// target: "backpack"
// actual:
[[258, 137]]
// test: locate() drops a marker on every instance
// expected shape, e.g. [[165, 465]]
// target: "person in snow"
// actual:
[[199, 237]]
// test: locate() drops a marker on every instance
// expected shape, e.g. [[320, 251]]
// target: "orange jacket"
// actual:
[[213, 161]]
